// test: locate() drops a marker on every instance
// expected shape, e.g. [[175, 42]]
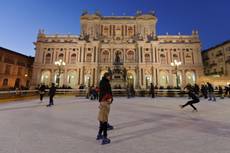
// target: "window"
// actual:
[[175, 57], [147, 58], [130, 56], [8, 69], [5, 82], [73, 59], [188, 58], [105, 56], [9, 60], [19, 71], [88, 57], [61, 57], [48, 58], [163, 59]]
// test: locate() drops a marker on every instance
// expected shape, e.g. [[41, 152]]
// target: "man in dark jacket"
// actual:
[[42, 90], [52, 93], [195, 99]]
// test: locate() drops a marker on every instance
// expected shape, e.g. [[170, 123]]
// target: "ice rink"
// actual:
[[142, 125]]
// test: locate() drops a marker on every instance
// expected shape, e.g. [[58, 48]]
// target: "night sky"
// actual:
[[21, 19]]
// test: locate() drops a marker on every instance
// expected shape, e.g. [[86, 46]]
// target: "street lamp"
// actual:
[[60, 64], [175, 64]]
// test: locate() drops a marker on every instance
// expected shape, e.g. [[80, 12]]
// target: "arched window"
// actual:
[[88, 57], [163, 59], [130, 56], [61, 57], [73, 59], [46, 77], [190, 77], [130, 31], [188, 58], [175, 57], [5, 82], [105, 56], [164, 79], [147, 58], [48, 58]]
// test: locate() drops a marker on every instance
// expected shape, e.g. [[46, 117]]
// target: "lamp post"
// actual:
[[175, 64], [60, 64]]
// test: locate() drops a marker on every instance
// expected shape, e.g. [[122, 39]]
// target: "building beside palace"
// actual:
[[126, 46], [217, 60], [16, 69]]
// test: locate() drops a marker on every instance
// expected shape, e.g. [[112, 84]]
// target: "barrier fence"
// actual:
[[84, 93]]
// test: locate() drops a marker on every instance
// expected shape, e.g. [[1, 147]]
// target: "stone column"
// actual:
[[158, 77], [82, 75]]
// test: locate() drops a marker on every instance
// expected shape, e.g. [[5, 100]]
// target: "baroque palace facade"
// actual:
[[119, 44]]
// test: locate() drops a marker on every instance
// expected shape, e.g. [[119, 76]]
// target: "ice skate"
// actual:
[[105, 141]]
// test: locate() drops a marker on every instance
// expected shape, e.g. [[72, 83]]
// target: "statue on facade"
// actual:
[[117, 58]]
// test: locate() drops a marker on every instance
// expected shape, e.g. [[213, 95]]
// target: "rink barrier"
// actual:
[[84, 93]]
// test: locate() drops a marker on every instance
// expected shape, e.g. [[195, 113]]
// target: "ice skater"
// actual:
[[105, 99], [52, 93], [195, 99], [42, 90]]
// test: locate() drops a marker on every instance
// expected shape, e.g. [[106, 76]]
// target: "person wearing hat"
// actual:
[[105, 99]]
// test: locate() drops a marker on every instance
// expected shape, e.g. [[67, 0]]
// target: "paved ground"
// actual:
[[142, 125]]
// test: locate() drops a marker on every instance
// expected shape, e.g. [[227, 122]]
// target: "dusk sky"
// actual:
[[21, 19]]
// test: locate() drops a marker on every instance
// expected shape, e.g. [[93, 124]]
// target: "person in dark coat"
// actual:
[[42, 90], [105, 99], [152, 90], [211, 94], [221, 92], [52, 93], [204, 91], [195, 99], [196, 89]]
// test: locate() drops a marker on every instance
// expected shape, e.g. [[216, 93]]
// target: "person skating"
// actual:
[[42, 92], [105, 99], [221, 92], [204, 91], [195, 99], [211, 94], [52, 93]]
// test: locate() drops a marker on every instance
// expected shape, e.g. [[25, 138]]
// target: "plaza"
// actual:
[[141, 125]]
